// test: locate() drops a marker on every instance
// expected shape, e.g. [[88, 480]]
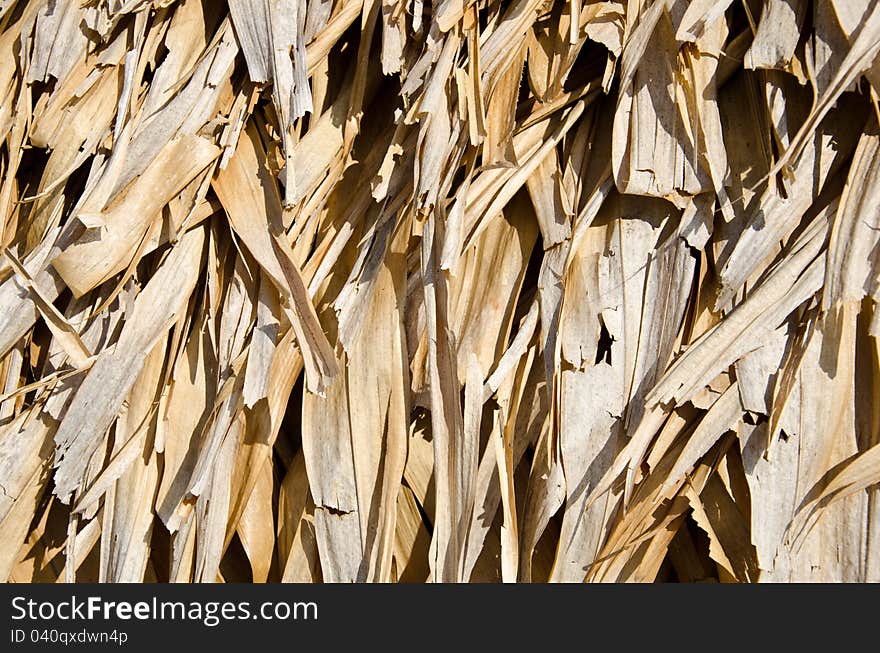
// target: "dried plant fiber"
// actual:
[[452, 291]]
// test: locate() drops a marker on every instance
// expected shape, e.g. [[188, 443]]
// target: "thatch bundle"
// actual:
[[361, 290]]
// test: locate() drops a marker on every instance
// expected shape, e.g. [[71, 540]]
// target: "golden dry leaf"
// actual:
[[523, 291]]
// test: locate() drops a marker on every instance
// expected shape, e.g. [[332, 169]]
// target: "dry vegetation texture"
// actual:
[[393, 290]]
